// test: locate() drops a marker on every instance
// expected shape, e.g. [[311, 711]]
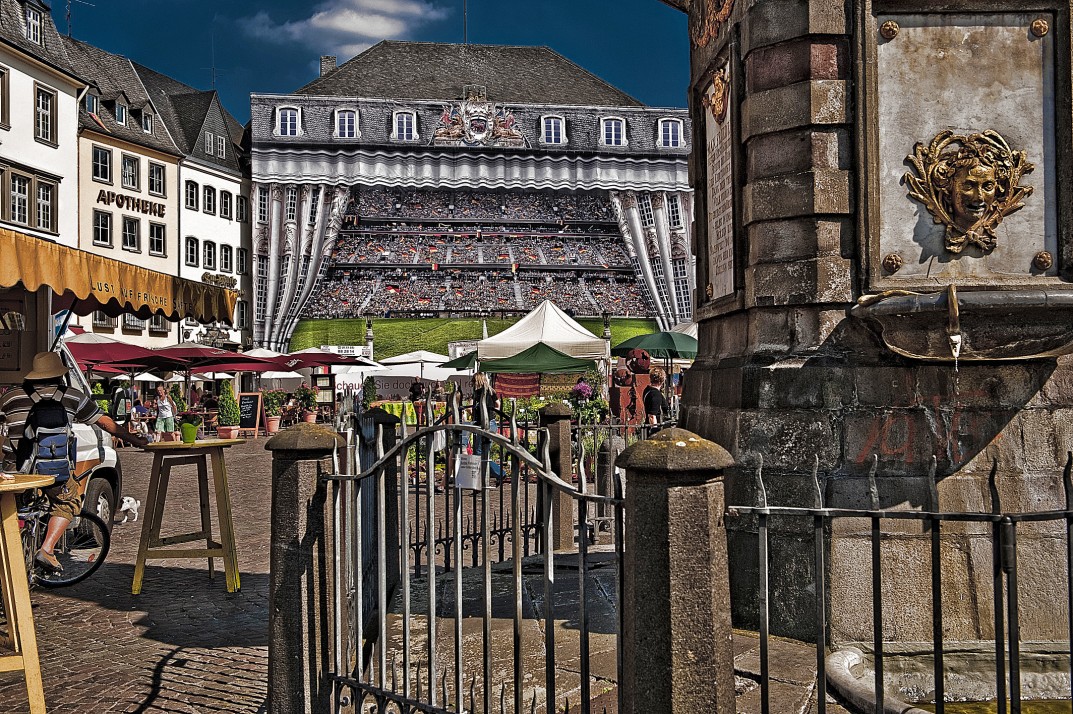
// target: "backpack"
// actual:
[[48, 440], [121, 404]]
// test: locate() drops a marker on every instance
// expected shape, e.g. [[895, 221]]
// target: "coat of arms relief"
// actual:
[[475, 121]]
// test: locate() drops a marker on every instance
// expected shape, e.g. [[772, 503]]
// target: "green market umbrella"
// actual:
[[538, 358], [666, 345]]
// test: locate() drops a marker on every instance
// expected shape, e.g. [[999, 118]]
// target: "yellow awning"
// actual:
[[84, 282]]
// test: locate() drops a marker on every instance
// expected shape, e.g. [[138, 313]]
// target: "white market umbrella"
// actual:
[[282, 375], [422, 360], [146, 377], [262, 352], [202, 376]]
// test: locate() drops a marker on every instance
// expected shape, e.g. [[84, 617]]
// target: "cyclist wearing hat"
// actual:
[[46, 382]]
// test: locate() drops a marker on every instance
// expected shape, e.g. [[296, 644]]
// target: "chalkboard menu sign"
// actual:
[[250, 410]]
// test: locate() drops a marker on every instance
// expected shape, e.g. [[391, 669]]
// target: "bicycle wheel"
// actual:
[[80, 550]]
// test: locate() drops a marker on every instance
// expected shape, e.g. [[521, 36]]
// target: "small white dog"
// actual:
[[128, 508]]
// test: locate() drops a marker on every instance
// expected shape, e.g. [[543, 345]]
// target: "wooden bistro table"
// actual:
[[21, 637], [167, 454]]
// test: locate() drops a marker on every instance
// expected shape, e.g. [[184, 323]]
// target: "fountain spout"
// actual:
[[953, 321]]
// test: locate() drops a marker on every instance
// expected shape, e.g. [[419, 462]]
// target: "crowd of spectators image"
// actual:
[[476, 205]]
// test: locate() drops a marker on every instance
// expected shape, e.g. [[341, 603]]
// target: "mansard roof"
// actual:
[[438, 71], [115, 76], [51, 51]]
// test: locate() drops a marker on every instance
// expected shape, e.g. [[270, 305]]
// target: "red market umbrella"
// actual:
[[191, 355], [91, 349]]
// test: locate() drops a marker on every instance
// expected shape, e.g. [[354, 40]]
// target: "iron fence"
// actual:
[[1004, 582], [416, 633]]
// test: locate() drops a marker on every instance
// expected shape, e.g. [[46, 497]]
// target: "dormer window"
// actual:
[[552, 130], [220, 146], [121, 113], [346, 124], [147, 122], [405, 126], [670, 133], [210, 143], [287, 121], [93, 103], [613, 131], [33, 24]]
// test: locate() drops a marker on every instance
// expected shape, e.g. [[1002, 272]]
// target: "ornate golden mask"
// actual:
[[969, 184], [706, 27], [719, 100]]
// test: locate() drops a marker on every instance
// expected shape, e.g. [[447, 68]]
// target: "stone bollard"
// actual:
[[300, 609], [556, 417], [677, 652]]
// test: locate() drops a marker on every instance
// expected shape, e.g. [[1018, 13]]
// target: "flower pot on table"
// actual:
[[189, 433]]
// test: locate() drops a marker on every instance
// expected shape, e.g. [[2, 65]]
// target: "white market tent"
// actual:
[[550, 325], [686, 328]]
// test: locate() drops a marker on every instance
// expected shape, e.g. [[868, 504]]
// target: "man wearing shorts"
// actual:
[[165, 415]]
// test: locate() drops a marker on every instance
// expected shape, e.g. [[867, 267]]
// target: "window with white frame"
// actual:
[[158, 239], [221, 146], [102, 228], [226, 258], [209, 200], [210, 143], [552, 132], [132, 234], [129, 172], [93, 103], [287, 121], [346, 124], [5, 97], [314, 203], [157, 176], [261, 289], [670, 133], [192, 195], [242, 314], [102, 164], [46, 206], [242, 261], [45, 114], [681, 289], [644, 207], [121, 113], [159, 324], [192, 251], [242, 209], [262, 205], [292, 203], [19, 205], [613, 131], [33, 24], [405, 128], [209, 254], [225, 204], [147, 122], [674, 211]]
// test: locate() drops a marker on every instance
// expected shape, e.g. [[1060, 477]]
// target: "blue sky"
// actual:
[[640, 46]]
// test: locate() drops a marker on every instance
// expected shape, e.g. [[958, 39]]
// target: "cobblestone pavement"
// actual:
[[184, 644]]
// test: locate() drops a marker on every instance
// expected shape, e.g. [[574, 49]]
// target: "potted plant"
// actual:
[[227, 417], [307, 398], [176, 393], [188, 426], [273, 400]]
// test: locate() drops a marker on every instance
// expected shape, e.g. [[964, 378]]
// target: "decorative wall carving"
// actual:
[[718, 101], [477, 122], [969, 183], [707, 25]]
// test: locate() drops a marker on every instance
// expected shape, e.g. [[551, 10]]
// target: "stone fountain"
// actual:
[[885, 243]]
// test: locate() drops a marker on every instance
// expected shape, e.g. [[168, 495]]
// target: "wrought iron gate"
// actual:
[[416, 632]]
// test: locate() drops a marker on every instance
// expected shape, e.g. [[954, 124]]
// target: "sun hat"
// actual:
[[47, 365]]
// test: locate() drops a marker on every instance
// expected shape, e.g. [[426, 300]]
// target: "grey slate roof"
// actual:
[[113, 75], [13, 32], [438, 71], [188, 112]]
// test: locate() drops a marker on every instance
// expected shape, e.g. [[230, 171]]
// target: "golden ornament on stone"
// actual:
[[969, 183], [892, 262], [1043, 260], [719, 100], [1040, 27], [889, 29]]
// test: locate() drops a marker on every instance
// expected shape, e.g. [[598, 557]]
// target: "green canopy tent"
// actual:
[[466, 362], [668, 345], [540, 358]]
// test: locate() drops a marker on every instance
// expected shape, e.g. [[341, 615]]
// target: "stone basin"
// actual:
[[993, 325]]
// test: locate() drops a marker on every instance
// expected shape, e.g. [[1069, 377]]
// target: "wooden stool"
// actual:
[[152, 546], [21, 636]]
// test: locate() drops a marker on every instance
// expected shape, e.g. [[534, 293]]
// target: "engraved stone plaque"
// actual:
[[719, 148], [965, 75]]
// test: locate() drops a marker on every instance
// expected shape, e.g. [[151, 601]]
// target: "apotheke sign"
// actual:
[[130, 203]]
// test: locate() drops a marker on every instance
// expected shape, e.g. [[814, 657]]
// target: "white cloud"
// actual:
[[347, 27]]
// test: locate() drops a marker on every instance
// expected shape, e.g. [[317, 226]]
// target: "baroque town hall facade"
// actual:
[[423, 178]]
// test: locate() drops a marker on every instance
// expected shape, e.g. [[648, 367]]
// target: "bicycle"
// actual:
[[80, 550]]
